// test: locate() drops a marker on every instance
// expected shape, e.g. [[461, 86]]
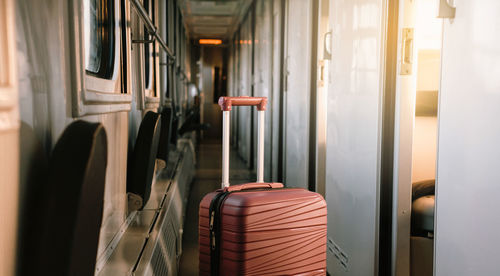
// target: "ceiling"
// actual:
[[213, 19]]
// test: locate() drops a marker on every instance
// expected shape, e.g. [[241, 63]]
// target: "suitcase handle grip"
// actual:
[[227, 102], [249, 186]]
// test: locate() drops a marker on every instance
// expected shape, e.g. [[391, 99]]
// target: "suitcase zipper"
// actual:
[[214, 225], [212, 220], [214, 210]]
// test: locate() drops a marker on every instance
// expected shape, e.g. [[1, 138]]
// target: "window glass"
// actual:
[[148, 50], [98, 20]]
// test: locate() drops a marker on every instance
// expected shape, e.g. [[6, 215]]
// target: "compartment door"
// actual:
[[406, 83], [297, 89], [468, 172], [353, 139]]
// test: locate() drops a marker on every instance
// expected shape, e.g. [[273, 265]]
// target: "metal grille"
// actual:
[[158, 263], [339, 254], [164, 259]]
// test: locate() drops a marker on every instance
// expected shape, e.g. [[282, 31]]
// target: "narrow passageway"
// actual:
[[207, 178]]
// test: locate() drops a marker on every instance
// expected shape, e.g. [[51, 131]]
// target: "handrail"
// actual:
[[152, 30]]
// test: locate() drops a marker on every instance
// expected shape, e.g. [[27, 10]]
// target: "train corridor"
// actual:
[[207, 179], [381, 115]]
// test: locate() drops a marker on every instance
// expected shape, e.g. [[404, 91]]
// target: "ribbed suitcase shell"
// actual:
[[267, 232]]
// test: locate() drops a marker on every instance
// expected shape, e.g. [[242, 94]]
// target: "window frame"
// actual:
[[9, 117], [146, 98], [92, 94], [170, 42], [152, 95]]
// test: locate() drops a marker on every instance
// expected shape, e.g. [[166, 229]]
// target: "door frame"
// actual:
[[386, 260], [313, 143]]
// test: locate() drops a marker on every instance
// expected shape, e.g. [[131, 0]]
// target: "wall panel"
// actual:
[[297, 92], [467, 220], [353, 135]]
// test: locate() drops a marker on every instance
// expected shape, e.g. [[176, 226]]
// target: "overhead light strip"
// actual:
[[206, 41]]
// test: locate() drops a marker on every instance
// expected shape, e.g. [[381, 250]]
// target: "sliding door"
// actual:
[[467, 217], [353, 140], [297, 91]]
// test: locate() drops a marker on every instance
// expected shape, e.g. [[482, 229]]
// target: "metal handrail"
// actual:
[[152, 30]]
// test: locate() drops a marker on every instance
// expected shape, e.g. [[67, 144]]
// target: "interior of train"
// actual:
[[112, 123], [427, 50]]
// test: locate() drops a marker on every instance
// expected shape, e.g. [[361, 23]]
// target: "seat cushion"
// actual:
[[76, 180], [165, 133], [142, 160], [422, 215], [422, 188]]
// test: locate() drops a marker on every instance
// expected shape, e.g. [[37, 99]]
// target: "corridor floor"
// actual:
[[207, 179]]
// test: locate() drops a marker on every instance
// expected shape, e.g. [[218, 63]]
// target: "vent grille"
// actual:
[[339, 254], [158, 263], [164, 259]]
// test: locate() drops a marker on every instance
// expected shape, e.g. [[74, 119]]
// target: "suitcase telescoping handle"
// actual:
[[226, 104], [250, 186]]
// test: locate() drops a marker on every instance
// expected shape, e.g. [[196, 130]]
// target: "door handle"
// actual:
[[407, 52], [327, 45]]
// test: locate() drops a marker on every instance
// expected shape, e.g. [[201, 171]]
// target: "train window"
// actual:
[[102, 75], [150, 61], [99, 39], [148, 50], [146, 57]]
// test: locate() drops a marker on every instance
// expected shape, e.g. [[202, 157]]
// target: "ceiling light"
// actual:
[[205, 41]]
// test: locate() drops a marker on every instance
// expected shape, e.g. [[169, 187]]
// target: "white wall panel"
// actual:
[[297, 92], [468, 171], [353, 135], [262, 77], [276, 88]]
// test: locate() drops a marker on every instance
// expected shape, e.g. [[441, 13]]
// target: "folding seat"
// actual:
[[422, 228], [165, 133], [67, 206], [141, 163]]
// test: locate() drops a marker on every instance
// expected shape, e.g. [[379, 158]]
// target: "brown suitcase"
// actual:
[[260, 228]]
